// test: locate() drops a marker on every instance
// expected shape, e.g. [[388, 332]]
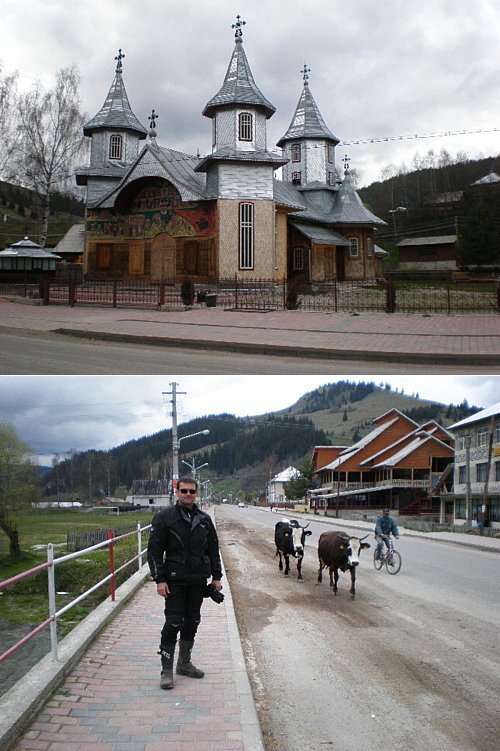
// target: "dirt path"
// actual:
[[343, 674]]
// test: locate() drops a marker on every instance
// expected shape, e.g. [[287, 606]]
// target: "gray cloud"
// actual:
[[377, 69]]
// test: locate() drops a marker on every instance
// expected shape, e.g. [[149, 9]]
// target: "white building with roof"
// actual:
[[477, 467], [276, 486]]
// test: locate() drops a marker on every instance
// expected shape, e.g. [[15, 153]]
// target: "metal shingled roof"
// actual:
[[116, 111], [307, 121], [239, 86], [349, 209]]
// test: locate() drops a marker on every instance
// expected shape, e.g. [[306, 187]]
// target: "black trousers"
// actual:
[[182, 612]]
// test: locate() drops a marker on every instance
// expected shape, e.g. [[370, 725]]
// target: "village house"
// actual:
[[476, 488], [154, 213], [399, 464], [276, 487]]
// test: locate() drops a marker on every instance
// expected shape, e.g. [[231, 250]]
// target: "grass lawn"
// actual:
[[28, 599]]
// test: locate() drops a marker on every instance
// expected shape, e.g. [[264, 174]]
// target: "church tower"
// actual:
[[115, 133], [308, 145], [240, 170]]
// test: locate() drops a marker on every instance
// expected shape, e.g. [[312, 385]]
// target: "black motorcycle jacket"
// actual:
[[183, 547]]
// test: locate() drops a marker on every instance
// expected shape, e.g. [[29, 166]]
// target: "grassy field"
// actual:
[[28, 599]]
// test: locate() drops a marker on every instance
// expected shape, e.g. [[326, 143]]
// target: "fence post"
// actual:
[[391, 297], [112, 564], [161, 294], [236, 291], [46, 291], [335, 295], [72, 293], [498, 294], [139, 545], [51, 581]]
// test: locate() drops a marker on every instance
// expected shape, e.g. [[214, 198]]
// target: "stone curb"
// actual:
[[288, 350], [27, 696]]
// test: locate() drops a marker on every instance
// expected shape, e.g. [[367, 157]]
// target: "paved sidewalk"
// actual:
[[112, 700], [433, 339]]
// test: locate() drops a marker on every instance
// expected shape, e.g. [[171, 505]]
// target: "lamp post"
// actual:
[[394, 212], [467, 442], [194, 469]]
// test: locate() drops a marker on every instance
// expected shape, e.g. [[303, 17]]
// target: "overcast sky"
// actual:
[[57, 413], [378, 69]]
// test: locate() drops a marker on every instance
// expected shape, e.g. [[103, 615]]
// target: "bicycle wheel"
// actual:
[[377, 562], [395, 564]]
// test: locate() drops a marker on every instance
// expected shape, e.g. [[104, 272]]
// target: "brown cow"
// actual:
[[337, 550]]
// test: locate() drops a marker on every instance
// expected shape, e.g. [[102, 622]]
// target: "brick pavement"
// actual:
[[370, 335], [112, 700]]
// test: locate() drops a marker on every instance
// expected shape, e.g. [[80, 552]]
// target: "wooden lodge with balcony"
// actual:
[[399, 464]]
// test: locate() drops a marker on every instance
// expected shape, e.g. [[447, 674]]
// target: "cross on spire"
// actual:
[[305, 70], [119, 57], [346, 159], [152, 118], [239, 23]]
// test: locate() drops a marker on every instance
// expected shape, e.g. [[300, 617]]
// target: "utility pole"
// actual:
[[175, 442]]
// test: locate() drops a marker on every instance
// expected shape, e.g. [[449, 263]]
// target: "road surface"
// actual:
[[411, 663]]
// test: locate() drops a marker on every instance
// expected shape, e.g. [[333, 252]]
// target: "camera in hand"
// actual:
[[214, 594]]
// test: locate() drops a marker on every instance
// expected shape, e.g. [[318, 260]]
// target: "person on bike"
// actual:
[[384, 526]]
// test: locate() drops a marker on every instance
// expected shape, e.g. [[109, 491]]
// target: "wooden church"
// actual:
[[157, 214]]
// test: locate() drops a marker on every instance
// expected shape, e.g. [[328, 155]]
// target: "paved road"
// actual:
[[26, 353], [410, 663]]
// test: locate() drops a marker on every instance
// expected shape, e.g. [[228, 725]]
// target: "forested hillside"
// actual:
[[244, 452]]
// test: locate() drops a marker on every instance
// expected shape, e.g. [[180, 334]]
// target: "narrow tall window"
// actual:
[[329, 153], [369, 247], [298, 259], [295, 152], [245, 126], [246, 235], [354, 247], [330, 178], [482, 436], [115, 147]]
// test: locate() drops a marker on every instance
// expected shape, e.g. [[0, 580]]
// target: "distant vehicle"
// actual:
[[241, 505]]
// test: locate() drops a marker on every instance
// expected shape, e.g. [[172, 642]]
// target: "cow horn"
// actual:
[[306, 526], [364, 538]]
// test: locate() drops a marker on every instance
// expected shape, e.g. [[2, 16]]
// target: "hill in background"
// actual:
[[243, 453]]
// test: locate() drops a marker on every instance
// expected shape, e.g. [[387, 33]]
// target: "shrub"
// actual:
[[187, 291]]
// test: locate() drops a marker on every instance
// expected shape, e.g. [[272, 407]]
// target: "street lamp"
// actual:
[[194, 469], [176, 442], [394, 212]]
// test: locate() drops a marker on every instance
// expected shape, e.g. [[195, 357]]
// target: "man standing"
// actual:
[[183, 552], [384, 526]]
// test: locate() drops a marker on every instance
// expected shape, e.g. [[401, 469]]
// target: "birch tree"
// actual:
[[9, 135], [51, 129]]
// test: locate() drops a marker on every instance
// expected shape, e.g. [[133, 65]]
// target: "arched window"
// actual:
[[115, 147], [245, 126], [295, 152]]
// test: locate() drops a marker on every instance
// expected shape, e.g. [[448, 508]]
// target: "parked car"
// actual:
[[241, 505]]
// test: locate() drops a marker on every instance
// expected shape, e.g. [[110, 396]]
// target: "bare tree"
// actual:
[[51, 127], [9, 135]]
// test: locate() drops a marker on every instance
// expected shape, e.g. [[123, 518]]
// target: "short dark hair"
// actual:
[[386, 511], [187, 481]]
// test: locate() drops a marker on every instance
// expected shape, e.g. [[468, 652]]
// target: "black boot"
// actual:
[[167, 665], [184, 664]]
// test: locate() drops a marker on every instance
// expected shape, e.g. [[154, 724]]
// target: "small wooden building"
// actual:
[[428, 253], [27, 262]]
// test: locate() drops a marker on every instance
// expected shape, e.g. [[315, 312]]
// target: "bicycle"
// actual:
[[391, 558]]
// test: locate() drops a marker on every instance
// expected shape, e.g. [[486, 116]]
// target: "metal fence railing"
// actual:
[[50, 566], [382, 295]]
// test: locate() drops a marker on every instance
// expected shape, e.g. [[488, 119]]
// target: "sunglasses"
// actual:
[[192, 491]]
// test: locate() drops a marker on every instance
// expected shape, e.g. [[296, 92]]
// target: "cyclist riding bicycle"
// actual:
[[384, 526]]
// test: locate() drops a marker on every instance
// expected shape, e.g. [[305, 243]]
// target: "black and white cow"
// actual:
[[290, 539], [337, 550]]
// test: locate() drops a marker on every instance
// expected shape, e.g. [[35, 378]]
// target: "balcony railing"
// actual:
[[346, 486]]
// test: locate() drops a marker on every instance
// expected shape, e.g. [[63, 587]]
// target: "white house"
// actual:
[[276, 487], [477, 467]]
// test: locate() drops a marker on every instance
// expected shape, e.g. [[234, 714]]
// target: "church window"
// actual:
[[245, 126], [246, 235], [115, 147], [298, 259], [330, 178], [295, 152], [354, 247], [329, 153], [369, 247], [296, 178]]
